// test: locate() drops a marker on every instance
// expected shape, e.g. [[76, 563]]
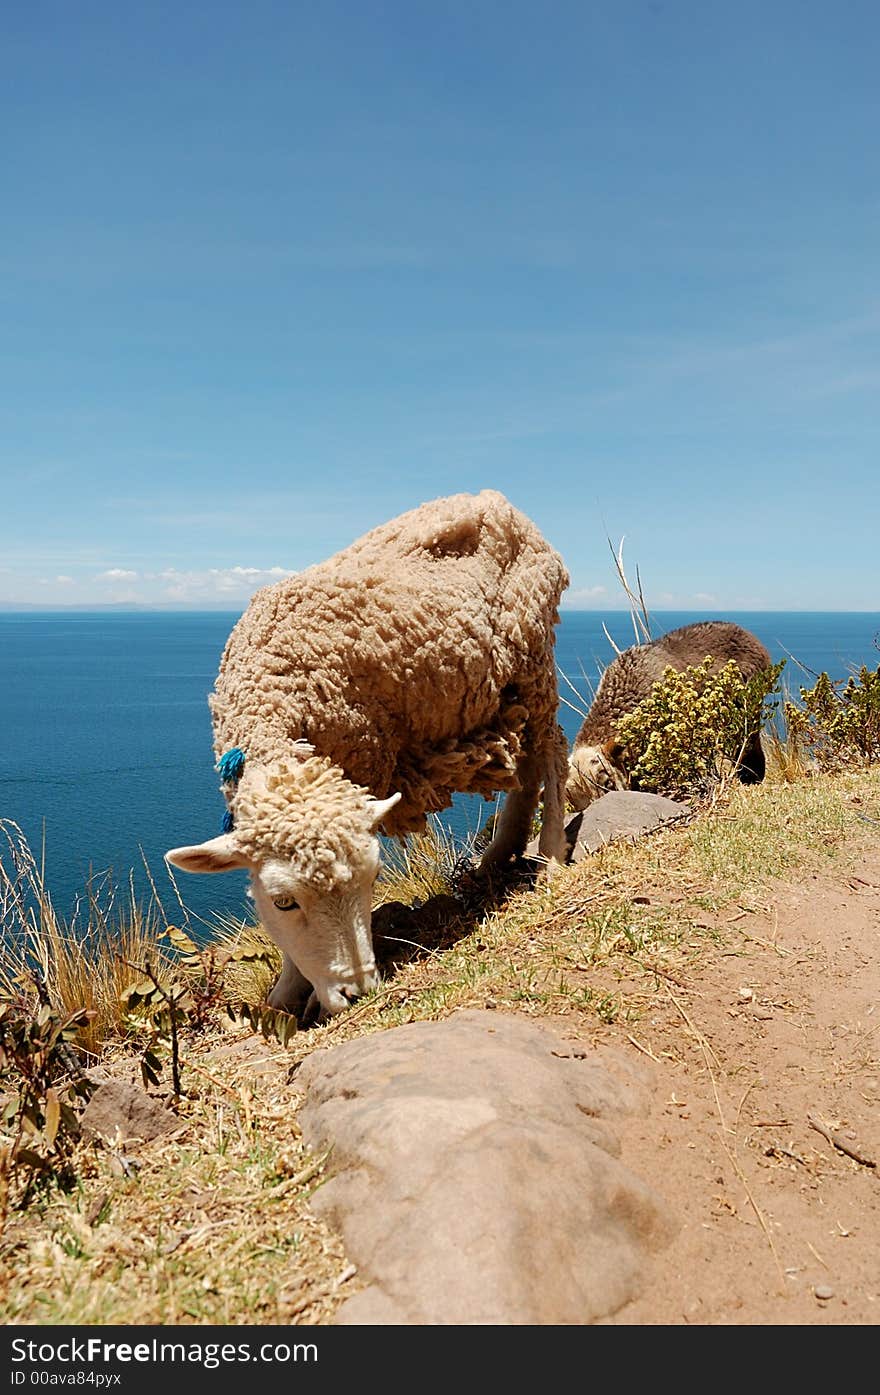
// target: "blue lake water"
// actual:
[[107, 739]]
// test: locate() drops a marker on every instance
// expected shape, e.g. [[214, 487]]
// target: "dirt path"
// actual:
[[777, 1224]]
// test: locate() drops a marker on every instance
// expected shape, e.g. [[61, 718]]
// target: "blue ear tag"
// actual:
[[230, 768]]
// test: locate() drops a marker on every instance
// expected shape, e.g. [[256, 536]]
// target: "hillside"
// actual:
[[735, 961]]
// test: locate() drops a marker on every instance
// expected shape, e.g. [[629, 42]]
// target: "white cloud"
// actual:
[[210, 588], [238, 582], [580, 596], [259, 571]]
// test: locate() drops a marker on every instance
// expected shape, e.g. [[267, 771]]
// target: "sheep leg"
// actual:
[[515, 820], [552, 843], [292, 989], [545, 766], [753, 766]]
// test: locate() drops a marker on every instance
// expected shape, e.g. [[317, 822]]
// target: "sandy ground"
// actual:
[[778, 1225]]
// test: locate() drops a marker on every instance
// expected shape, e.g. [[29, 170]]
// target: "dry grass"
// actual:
[[254, 963], [83, 963], [211, 1226], [421, 866], [214, 1224], [786, 759], [89, 961]]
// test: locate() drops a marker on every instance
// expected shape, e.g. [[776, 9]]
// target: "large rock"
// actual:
[[475, 1176], [618, 814]]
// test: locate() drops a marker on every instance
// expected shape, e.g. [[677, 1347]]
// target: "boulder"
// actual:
[[618, 814], [475, 1173]]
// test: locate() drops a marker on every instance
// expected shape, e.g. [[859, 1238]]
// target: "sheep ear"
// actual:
[[217, 855], [613, 751], [380, 807]]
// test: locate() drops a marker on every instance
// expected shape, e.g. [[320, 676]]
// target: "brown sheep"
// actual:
[[596, 762]]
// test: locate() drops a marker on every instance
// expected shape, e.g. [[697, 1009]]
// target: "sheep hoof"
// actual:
[[551, 869]]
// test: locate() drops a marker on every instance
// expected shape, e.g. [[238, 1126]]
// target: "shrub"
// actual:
[[42, 1082], [839, 722], [692, 726]]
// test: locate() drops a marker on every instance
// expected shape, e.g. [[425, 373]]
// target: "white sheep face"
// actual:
[[325, 937], [592, 772]]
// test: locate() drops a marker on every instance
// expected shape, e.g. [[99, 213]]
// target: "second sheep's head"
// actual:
[[594, 771], [308, 837]]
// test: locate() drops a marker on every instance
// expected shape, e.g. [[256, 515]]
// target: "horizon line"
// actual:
[[32, 608]]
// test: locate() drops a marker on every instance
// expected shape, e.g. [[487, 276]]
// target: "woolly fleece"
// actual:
[[304, 810], [419, 659]]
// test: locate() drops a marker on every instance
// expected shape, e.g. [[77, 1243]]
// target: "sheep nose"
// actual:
[[367, 981]]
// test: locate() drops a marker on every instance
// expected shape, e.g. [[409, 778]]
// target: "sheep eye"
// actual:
[[286, 903]]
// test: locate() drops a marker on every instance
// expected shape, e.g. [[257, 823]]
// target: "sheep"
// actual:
[[596, 762], [363, 693]]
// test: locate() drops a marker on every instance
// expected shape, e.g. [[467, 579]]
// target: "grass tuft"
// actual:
[[81, 964], [423, 865]]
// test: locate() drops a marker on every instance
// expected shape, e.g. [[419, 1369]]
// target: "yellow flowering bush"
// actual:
[[839, 722], [693, 724]]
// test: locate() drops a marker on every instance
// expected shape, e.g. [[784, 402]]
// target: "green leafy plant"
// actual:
[[693, 726], [272, 1023], [156, 1006], [839, 722], [187, 994]]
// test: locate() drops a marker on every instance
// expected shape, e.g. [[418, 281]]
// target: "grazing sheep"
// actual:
[[596, 763], [365, 692]]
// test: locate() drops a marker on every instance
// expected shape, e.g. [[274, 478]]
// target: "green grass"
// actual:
[[773, 827]]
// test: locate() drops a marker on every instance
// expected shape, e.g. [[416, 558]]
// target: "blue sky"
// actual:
[[275, 272]]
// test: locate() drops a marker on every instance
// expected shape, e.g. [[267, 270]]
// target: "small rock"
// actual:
[[823, 1291], [97, 1208], [120, 1110], [121, 1166], [745, 995]]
